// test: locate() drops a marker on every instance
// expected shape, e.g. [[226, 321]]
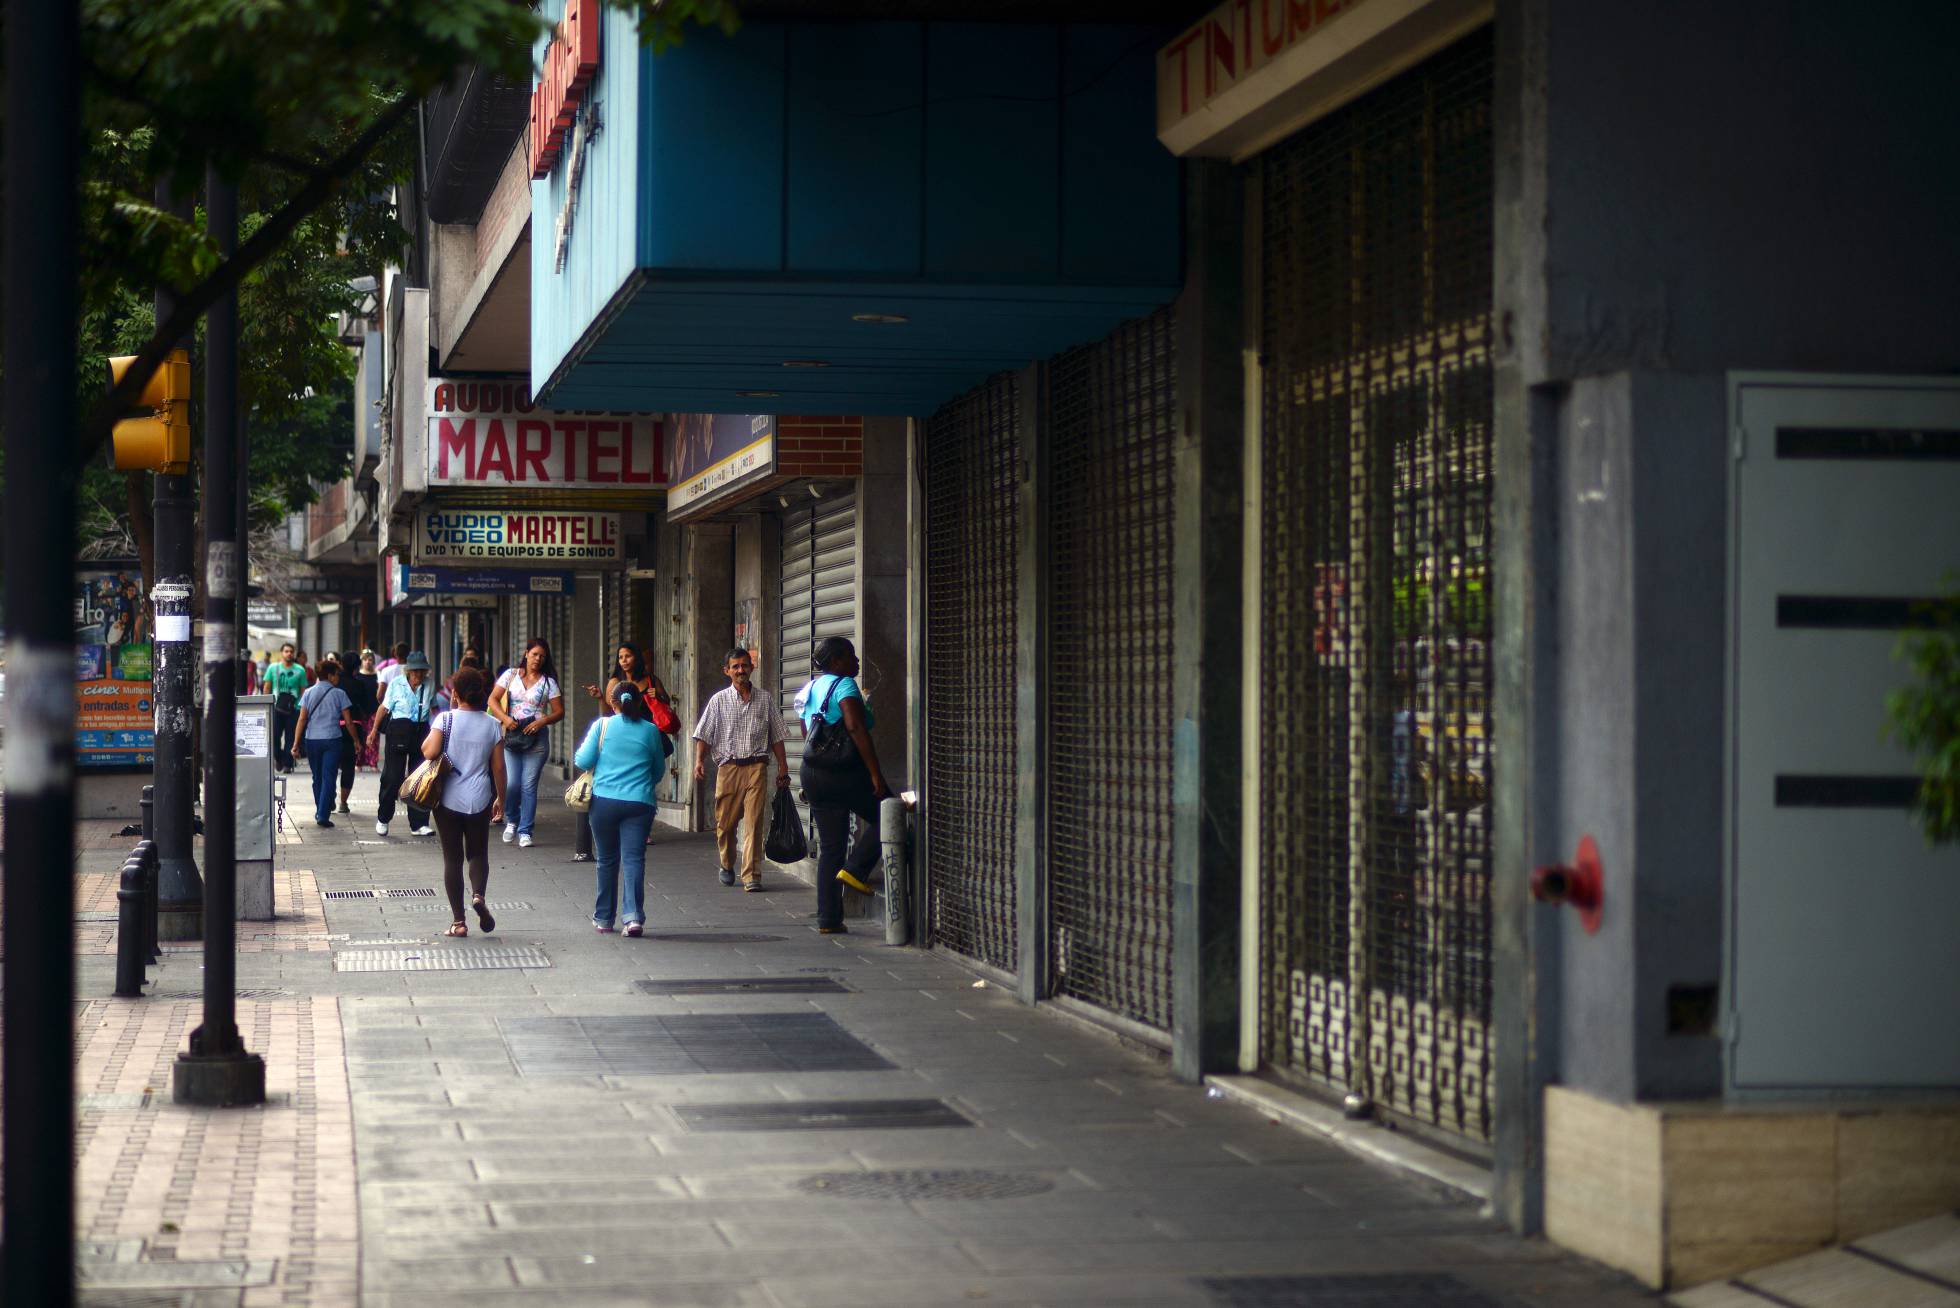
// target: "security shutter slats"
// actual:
[[1113, 408], [1375, 603], [973, 483], [818, 597]]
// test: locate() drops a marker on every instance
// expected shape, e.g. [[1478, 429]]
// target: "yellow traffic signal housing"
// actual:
[[161, 439]]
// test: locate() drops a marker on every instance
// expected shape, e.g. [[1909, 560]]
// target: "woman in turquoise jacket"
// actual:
[[627, 754]]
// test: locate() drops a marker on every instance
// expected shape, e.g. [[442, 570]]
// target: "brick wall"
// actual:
[[819, 445]]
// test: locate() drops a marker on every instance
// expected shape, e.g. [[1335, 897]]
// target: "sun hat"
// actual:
[[417, 662]]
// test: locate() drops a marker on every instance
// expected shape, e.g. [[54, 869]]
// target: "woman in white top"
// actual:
[[527, 701], [472, 796]]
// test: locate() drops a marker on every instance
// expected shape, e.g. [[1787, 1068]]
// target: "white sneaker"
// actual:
[[421, 831], [510, 832], [523, 842], [381, 828]]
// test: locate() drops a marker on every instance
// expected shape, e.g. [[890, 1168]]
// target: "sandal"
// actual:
[[483, 917], [458, 929]]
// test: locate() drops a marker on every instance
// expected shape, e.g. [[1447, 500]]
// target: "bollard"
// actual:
[[149, 806], [129, 929], [892, 833], [151, 948]]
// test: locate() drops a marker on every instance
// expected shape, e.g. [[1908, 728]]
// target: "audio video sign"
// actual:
[[506, 536], [488, 433]]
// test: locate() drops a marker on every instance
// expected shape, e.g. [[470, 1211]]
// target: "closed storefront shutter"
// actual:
[[1113, 407], [973, 468], [1375, 728], [818, 598]]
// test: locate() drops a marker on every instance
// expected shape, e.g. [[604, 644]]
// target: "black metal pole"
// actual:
[[41, 212], [243, 521], [173, 666], [216, 1069]]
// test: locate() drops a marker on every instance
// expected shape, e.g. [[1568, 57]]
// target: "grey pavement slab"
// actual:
[[480, 1184]]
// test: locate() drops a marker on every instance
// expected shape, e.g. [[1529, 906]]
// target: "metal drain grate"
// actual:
[[711, 937], [133, 1299], [437, 958], [116, 1103], [242, 994], [419, 892], [496, 906], [760, 985], [1388, 1290], [110, 916], [927, 1184], [821, 1115], [684, 1045]]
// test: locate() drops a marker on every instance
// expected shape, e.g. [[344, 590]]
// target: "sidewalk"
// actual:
[[548, 1114]]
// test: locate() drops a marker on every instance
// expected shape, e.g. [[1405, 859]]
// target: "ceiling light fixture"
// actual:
[[805, 363], [879, 317], [758, 395]]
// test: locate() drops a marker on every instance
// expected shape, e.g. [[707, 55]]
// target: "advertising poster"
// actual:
[[115, 714], [504, 536], [715, 456]]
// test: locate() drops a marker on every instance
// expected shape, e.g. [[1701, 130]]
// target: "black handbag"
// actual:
[[786, 843], [830, 747]]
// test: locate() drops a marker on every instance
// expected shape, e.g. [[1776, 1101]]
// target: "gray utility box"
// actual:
[[258, 813]]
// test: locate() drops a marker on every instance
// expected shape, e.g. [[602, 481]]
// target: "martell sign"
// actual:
[[561, 536], [488, 433], [571, 61]]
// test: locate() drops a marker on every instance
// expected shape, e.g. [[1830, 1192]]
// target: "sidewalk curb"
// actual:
[[1395, 1149]]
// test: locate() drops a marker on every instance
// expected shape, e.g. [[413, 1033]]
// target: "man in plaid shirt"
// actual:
[[740, 726]]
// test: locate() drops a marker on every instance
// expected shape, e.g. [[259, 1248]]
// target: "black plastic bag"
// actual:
[[786, 843]]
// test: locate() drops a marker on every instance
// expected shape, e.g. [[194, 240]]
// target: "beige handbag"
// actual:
[[578, 795], [423, 786]]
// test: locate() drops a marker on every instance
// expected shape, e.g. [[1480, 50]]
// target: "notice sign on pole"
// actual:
[[488, 433], [517, 536]]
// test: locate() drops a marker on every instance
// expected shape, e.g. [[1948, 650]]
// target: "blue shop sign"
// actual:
[[487, 581]]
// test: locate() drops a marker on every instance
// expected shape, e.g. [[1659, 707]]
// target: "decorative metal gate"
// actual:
[[1375, 729], [818, 599], [1112, 413], [973, 479]]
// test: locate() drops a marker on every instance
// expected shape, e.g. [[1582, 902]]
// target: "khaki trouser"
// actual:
[[739, 790]]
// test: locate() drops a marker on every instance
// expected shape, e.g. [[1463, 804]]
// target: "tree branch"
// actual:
[[192, 304]]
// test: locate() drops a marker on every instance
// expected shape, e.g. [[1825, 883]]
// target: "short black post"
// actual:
[[152, 947], [149, 806], [129, 928]]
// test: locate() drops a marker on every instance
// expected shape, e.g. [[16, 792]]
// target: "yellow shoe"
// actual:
[[863, 888]]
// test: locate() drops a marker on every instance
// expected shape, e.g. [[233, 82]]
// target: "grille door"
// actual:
[[1375, 729], [973, 468], [1113, 406], [818, 598]]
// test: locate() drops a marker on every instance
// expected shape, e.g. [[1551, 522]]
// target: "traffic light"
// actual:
[[161, 439]]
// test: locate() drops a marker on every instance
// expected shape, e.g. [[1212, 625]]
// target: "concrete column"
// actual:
[[582, 662], [1207, 567], [883, 640], [710, 580]]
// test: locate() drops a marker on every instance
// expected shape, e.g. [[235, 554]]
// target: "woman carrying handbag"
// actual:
[[841, 776], [527, 701], [471, 795], [625, 754]]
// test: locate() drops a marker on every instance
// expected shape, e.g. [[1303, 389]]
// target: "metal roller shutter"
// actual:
[[973, 489], [1110, 713], [1375, 909], [818, 597]]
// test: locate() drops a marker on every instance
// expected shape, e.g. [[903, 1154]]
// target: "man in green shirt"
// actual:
[[285, 682]]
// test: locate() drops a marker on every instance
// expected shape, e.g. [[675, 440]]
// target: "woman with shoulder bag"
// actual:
[[841, 777], [402, 722], [626, 755], [472, 796], [326, 729], [527, 701]]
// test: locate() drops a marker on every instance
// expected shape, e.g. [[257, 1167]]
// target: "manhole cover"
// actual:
[[199, 994], [756, 985], [437, 958], [1387, 1290], [419, 892], [926, 1184], [820, 1115], [684, 1045], [711, 937], [496, 906]]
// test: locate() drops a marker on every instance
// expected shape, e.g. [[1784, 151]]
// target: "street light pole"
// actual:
[[180, 892], [42, 210], [216, 1069]]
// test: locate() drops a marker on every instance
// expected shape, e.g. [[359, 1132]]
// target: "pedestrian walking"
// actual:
[[627, 755], [402, 722], [391, 667], [326, 728], [629, 668], [357, 679], [840, 779], [527, 701], [740, 726], [285, 681], [472, 796]]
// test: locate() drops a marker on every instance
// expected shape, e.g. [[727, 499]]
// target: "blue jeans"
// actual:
[[323, 756], [619, 836], [522, 768]]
